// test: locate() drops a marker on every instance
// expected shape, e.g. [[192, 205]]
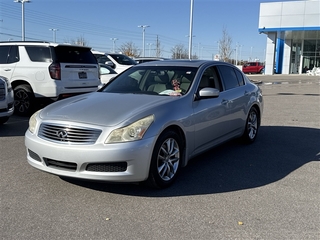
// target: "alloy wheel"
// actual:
[[168, 159]]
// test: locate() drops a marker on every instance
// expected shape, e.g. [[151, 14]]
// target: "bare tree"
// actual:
[[225, 45], [81, 41], [179, 51], [129, 49]]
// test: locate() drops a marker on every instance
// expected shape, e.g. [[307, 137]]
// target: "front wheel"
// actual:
[[252, 126], [165, 160]]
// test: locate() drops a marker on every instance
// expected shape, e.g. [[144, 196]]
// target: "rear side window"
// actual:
[[123, 59], [229, 77], [39, 53], [68, 54], [4, 52], [9, 54], [240, 77], [102, 58]]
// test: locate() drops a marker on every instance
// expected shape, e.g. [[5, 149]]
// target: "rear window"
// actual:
[[68, 54], [123, 59], [39, 53]]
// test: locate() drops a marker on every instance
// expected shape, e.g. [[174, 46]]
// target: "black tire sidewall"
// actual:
[[245, 136], [154, 179], [28, 91], [3, 120]]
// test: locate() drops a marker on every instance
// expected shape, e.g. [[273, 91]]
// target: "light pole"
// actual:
[[190, 30], [237, 45], [251, 54], [143, 31], [149, 44], [54, 33], [240, 58], [190, 48], [114, 43], [22, 3]]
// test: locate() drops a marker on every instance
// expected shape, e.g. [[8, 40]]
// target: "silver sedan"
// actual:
[[146, 123]]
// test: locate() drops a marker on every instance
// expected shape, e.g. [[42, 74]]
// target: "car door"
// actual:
[[8, 59], [209, 113], [235, 98]]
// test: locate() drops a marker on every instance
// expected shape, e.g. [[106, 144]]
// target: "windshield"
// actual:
[[123, 59], [156, 80]]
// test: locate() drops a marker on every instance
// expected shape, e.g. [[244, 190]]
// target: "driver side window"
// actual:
[[210, 78]]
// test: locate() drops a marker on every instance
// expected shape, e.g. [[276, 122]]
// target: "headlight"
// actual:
[[133, 132], [33, 121]]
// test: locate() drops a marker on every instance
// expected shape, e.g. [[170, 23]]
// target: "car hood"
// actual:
[[105, 109]]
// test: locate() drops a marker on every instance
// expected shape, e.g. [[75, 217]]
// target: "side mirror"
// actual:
[[209, 93], [111, 64]]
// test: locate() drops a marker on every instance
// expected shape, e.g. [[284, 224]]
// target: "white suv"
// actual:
[[47, 71], [6, 100], [119, 62]]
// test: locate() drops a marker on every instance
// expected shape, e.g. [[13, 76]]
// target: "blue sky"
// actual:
[[98, 21]]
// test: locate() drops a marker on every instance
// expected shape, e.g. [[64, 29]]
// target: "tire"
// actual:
[[165, 162], [3, 120], [252, 126], [23, 100]]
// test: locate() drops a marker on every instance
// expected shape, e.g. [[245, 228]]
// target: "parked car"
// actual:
[[106, 73], [149, 59], [145, 124], [119, 62], [6, 100], [253, 67], [41, 71]]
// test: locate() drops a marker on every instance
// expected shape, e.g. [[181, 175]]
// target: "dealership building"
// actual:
[[293, 36]]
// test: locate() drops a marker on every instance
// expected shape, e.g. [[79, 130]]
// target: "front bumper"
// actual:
[[75, 160]]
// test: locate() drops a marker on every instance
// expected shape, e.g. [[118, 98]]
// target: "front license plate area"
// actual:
[[82, 75]]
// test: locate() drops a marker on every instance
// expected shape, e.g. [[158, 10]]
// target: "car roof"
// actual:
[[105, 53], [41, 43], [179, 63], [150, 58]]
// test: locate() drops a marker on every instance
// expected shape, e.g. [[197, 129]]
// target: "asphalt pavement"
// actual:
[[266, 190], [283, 78]]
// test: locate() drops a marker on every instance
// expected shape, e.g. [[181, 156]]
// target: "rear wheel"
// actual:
[[165, 160], [23, 100], [252, 126]]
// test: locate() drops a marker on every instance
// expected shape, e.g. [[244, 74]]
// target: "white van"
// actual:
[[46, 71], [119, 62]]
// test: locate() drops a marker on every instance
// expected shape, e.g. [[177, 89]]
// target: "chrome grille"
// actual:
[[66, 134]]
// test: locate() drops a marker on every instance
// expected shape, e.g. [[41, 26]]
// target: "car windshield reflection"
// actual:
[[155, 80]]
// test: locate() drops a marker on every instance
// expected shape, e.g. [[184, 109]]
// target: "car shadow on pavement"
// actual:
[[233, 166], [16, 126]]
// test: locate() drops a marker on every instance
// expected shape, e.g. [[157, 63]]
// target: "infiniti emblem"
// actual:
[[62, 135]]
